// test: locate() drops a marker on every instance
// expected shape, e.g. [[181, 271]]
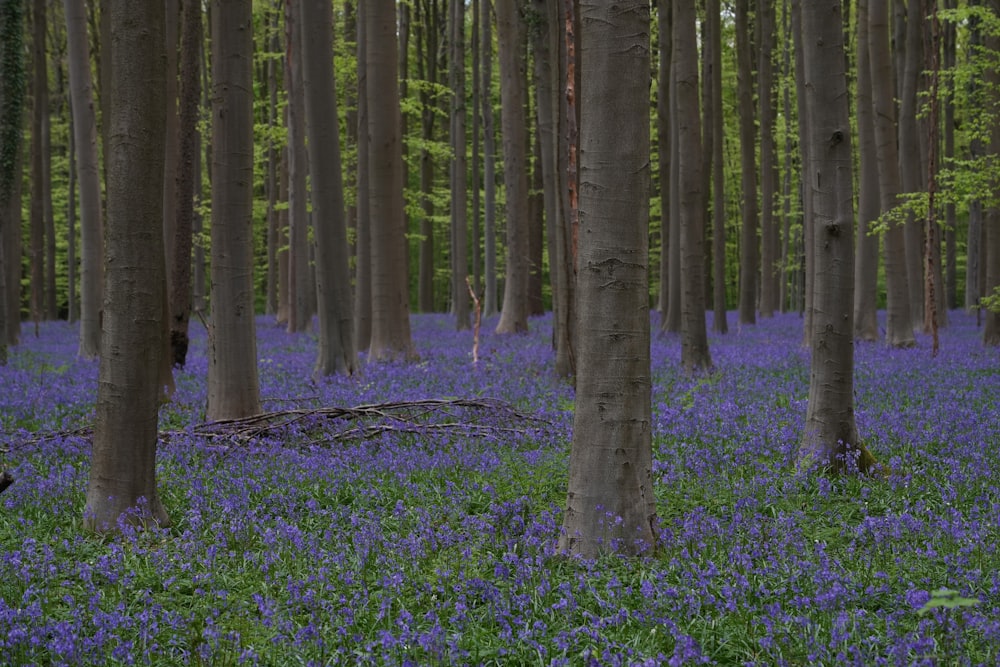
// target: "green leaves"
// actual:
[[947, 599]]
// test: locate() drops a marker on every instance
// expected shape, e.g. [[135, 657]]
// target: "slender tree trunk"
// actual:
[[39, 160], [807, 262], [866, 262], [171, 9], [459, 169], [490, 301], [510, 35], [768, 184], [991, 219], [427, 70], [300, 311], [899, 323], [720, 322], [122, 484], [785, 294], [333, 280], [72, 306], [363, 263], [233, 385], [274, 242], [390, 336], [610, 504], [12, 93], [951, 218], [88, 173], [474, 47], [664, 45], [830, 440], [748, 165], [695, 356]]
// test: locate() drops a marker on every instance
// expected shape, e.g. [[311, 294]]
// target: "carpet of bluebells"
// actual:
[[297, 546]]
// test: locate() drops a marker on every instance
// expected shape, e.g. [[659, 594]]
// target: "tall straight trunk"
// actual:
[[768, 184], [911, 162], [363, 259], [830, 440], [274, 242], [951, 217], [672, 320], [390, 336], [748, 166], [510, 35], [88, 174], [664, 45], [695, 356], [284, 307], [935, 302], [72, 307], [233, 385], [123, 462], [785, 294], [476, 159], [490, 300], [866, 262], [186, 189], [459, 167], [333, 278], [40, 185], [300, 310], [714, 115], [807, 273], [610, 504], [171, 9], [12, 93], [990, 283], [428, 29], [899, 322]]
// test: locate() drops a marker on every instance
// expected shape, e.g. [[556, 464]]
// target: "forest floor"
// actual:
[[391, 537]]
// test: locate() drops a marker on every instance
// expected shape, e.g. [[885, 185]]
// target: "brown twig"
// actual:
[[478, 320]]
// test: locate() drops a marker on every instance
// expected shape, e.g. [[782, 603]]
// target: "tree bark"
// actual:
[[664, 45], [40, 177], [866, 262], [459, 167], [122, 484], [12, 93], [748, 166], [428, 29], [490, 300], [768, 184], [333, 279], [610, 505], [233, 385], [363, 263], [510, 37], [720, 322]]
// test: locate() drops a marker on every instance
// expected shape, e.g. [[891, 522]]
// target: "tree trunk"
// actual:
[[806, 253], [768, 184], [830, 440], [39, 161], [427, 70], [476, 168], [363, 263], [233, 386], [490, 300], [714, 115], [866, 262], [187, 189], [991, 220], [748, 166], [695, 356], [300, 311], [664, 45], [899, 323], [12, 93], [89, 177], [459, 175], [274, 241], [122, 484], [610, 505], [171, 9], [390, 337], [333, 278], [951, 218], [510, 37]]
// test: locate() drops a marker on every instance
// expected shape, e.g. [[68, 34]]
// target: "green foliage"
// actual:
[[945, 598]]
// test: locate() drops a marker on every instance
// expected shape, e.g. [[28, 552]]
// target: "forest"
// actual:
[[556, 332]]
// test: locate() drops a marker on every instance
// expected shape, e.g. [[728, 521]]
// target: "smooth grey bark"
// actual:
[[672, 320], [769, 269], [272, 185], [899, 322], [866, 261], [336, 353], [41, 191], [807, 261], [187, 189], [12, 91], [171, 9], [299, 307], [390, 336], [664, 45], [428, 30], [510, 38], [233, 384], [748, 166], [830, 440], [490, 298], [89, 177], [363, 256], [695, 355], [610, 504], [122, 482], [459, 169], [476, 158], [720, 323]]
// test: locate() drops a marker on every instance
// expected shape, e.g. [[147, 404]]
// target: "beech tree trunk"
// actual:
[[459, 166], [720, 322], [490, 300], [610, 505], [233, 385], [768, 183], [122, 484], [866, 262], [428, 30], [41, 195], [12, 91], [748, 166], [363, 263], [333, 277]]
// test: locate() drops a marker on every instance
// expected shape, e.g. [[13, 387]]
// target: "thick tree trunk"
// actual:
[[12, 90], [233, 385], [171, 9], [830, 440], [122, 484], [866, 262], [694, 340], [390, 336], [89, 177], [899, 323], [510, 36], [333, 279], [748, 166], [610, 504]]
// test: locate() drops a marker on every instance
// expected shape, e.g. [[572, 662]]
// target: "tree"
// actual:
[[899, 325], [768, 172], [694, 339], [12, 87], [122, 484], [489, 163], [233, 385], [748, 166], [459, 178], [830, 438], [390, 337], [713, 115], [866, 263], [88, 173], [510, 38], [363, 271], [610, 503], [42, 264], [333, 279], [428, 29]]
